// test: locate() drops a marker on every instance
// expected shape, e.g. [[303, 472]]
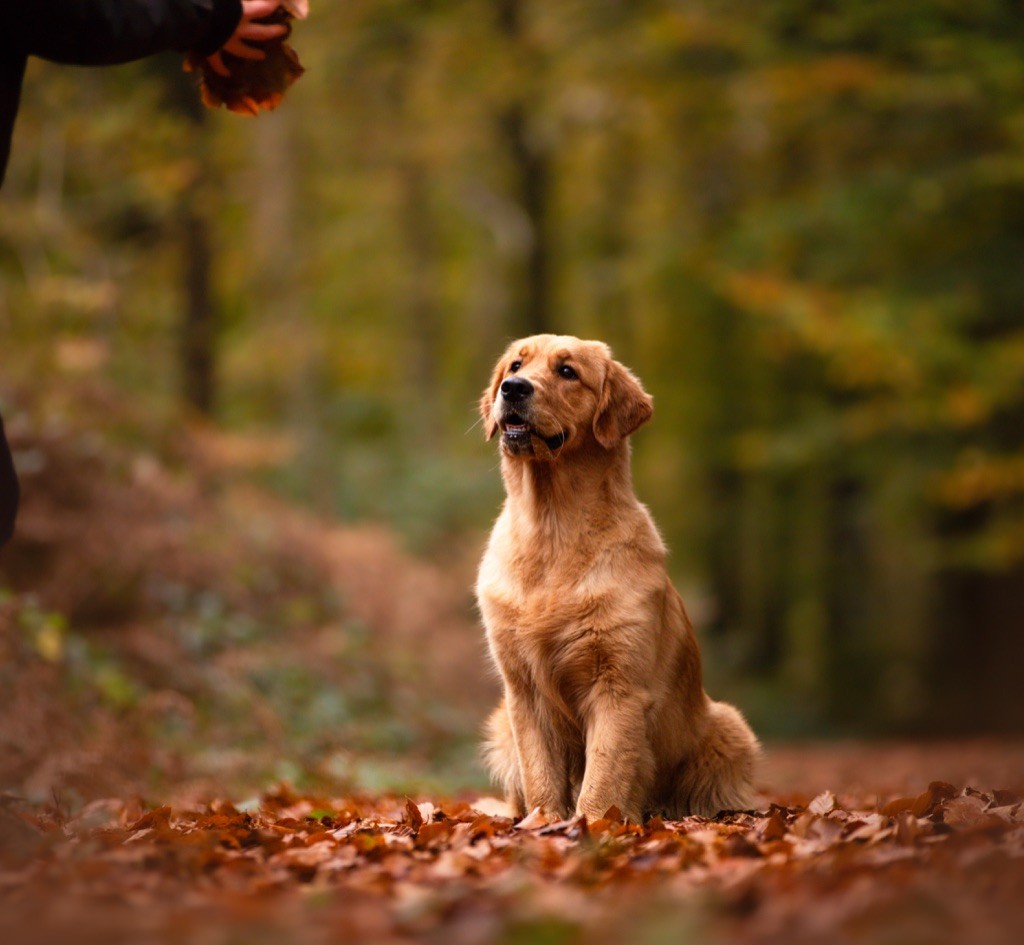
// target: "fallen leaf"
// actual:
[[964, 812], [774, 827], [535, 819], [823, 804], [413, 817]]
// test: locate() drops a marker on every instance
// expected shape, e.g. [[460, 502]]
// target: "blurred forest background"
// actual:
[[226, 345]]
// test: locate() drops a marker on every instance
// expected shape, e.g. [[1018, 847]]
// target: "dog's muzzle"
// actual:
[[517, 431]]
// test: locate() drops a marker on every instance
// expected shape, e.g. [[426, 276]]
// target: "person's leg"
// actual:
[[9, 491]]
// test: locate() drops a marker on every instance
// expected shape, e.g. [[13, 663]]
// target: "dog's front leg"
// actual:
[[543, 762], [620, 762]]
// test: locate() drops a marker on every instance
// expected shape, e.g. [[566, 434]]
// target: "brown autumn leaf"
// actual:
[[535, 819], [964, 812], [1011, 813], [493, 807], [867, 827], [572, 827], [160, 817], [774, 827], [898, 805], [251, 85], [413, 816], [1004, 798], [433, 833], [738, 844], [926, 802], [823, 804], [908, 829]]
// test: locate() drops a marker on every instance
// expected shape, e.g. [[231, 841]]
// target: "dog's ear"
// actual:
[[623, 408], [488, 398]]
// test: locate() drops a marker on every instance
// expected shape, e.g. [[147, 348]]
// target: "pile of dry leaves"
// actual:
[[945, 865]]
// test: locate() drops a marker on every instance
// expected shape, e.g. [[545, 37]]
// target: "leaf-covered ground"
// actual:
[[945, 864]]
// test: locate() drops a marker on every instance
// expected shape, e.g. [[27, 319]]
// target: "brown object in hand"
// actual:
[[251, 85]]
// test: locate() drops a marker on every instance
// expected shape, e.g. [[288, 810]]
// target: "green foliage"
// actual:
[[89, 667], [245, 704]]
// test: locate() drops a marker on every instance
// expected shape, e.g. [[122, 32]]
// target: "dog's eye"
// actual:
[[567, 372], [515, 366]]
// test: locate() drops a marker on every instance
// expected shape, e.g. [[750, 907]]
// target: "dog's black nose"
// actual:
[[514, 389]]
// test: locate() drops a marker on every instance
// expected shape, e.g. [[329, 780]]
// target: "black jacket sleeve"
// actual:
[[8, 489], [107, 32], [12, 71], [101, 33]]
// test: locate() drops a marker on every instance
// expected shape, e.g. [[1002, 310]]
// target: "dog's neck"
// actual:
[[565, 501]]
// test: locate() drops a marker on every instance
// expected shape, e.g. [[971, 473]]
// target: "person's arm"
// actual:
[[107, 32]]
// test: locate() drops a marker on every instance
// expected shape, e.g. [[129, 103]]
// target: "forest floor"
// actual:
[[172, 639], [853, 863]]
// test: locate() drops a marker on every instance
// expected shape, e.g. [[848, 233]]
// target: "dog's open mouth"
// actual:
[[514, 425], [517, 434]]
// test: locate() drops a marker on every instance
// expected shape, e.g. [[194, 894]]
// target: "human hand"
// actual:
[[249, 32], [252, 71]]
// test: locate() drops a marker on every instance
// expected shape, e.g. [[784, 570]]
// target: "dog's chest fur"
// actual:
[[557, 637]]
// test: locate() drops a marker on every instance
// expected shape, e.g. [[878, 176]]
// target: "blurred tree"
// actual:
[[200, 320], [526, 151]]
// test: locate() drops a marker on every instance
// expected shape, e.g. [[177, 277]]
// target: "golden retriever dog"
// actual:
[[603, 701]]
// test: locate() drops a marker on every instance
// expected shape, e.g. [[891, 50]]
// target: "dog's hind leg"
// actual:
[[719, 774], [501, 758]]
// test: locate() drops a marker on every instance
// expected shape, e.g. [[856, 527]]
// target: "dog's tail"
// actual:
[[499, 753], [719, 774]]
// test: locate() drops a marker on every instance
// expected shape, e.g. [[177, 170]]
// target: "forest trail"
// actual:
[[943, 864]]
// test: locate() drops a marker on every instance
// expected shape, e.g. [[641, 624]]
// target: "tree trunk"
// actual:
[[425, 329], [611, 298], [977, 640], [200, 320], [531, 188]]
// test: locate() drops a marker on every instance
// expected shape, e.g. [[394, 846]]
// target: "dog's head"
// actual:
[[555, 394]]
